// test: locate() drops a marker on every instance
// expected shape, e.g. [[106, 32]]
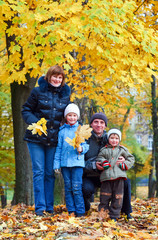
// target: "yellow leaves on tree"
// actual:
[[146, 168], [149, 10], [82, 133], [123, 44], [39, 127]]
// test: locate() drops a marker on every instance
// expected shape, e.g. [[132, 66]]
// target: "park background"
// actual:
[[108, 50]]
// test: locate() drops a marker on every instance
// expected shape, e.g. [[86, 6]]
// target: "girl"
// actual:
[[71, 161]]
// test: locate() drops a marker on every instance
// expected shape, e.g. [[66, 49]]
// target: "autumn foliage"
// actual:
[[107, 45], [39, 127], [20, 222], [108, 48], [82, 133]]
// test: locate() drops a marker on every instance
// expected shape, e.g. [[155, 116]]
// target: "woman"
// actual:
[[46, 101]]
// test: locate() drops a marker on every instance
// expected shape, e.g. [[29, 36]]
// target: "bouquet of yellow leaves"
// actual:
[[82, 133], [39, 127]]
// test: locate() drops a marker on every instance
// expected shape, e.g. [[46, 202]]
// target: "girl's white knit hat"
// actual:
[[72, 108], [114, 131]]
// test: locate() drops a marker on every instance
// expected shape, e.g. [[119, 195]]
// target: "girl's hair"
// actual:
[[55, 70]]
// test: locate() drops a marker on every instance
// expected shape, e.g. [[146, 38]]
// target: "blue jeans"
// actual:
[[43, 175], [73, 190]]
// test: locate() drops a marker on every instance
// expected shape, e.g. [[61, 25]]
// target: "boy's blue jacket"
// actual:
[[66, 155]]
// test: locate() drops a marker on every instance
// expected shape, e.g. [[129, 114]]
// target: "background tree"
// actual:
[[113, 50], [7, 160], [147, 12], [153, 185]]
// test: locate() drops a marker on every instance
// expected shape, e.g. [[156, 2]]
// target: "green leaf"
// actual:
[[57, 59], [42, 31], [52, 39], [67, 67], [40, 55], [16, 48], [82, 18], [1, 2]]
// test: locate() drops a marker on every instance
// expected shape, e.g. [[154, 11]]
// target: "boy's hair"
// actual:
[[55, 70], [114, 131]]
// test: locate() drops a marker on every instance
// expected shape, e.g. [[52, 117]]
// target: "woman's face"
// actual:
[[56, 80]]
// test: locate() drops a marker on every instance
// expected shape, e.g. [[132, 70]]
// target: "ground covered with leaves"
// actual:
[[20, 222]]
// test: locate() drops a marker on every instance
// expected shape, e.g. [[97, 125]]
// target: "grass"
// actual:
[[10, 195]]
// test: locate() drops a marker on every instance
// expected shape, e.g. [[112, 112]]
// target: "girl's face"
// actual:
[[114, 140], [71, 118], [56, 80]]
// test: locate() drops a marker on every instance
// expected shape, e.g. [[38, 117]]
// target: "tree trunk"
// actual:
[[59, 193], [19, 93], [155, 139], [3, 197], [23, 185]]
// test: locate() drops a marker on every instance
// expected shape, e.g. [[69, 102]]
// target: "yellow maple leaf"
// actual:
[[82, 133], [39, 127], [70, 141]]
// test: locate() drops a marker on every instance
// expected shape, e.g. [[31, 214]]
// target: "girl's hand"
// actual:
[[79, 149], [57, 171]]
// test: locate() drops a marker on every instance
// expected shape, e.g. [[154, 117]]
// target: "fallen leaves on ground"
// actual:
[[20, 222]]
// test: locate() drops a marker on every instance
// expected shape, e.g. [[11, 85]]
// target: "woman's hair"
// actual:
[[55, 70]]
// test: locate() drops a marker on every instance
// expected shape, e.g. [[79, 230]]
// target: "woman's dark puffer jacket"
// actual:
[[46, 102]]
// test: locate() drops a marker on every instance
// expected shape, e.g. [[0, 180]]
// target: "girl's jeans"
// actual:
[[43, 175], [73, 190]]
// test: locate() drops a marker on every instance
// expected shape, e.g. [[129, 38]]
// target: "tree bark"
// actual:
[[23, 192], [3, 197], [23, 185], [155, 140]]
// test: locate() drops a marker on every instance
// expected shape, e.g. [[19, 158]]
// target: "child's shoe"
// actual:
[[129, 216]]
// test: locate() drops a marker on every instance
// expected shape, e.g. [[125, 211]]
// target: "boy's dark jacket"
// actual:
[[46, 101]]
